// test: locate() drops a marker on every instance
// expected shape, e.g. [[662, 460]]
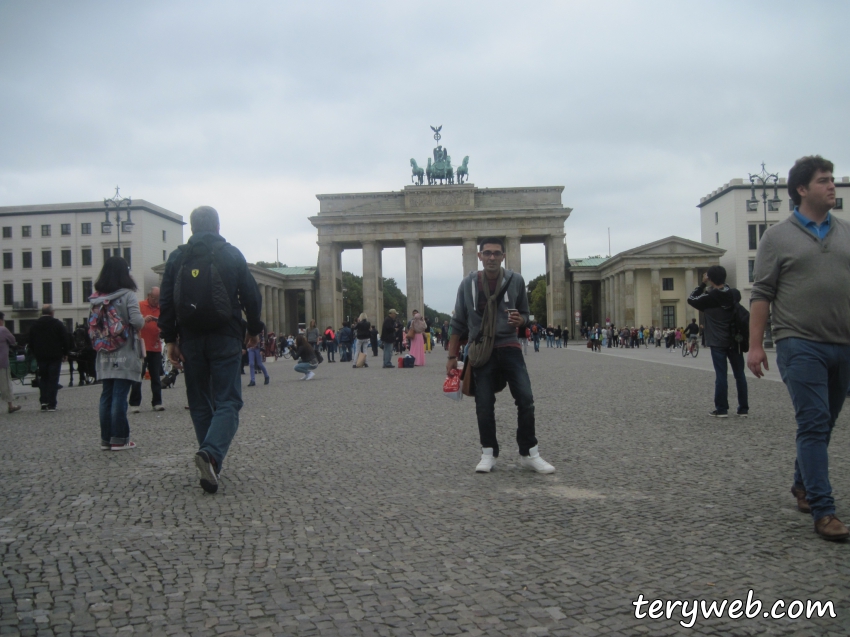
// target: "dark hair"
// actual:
[[801, 174], [300, 340], [717, 274], [114, 275], [501, 243]]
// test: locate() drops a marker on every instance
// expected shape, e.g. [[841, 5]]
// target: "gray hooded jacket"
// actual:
[[469, 310], [125, 363]]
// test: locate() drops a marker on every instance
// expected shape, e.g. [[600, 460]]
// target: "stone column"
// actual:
[[292, 305], [413, 262], [470, 256], [264, 314], [603, 302], [514, 254], [655, 296], [609, 299], [689, 285], [629, 318], [328, 258], [371, 256], [557, 288], [576, 308], [308, 306], [275, 311], [281, 311]]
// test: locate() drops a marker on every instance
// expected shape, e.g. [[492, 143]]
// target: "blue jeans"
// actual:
[[214, 390], [536, 340], [255, 359], [388, 354], [817, 376], [508, 364], [114, 427], [344, 352], [303, 368], [719, 356]]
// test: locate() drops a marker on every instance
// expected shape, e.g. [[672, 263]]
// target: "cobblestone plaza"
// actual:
[[349, 506]]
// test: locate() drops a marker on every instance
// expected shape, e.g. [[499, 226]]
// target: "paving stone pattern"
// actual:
[[349, 506]]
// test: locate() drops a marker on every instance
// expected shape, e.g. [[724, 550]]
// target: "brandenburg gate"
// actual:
[[436, 215]]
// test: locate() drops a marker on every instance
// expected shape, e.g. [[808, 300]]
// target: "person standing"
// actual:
[[481, 310], [417, 328], [373, 340], [801, 271], [48, 341], [153, 354], [7, 340], [255, 363], [388, 337], [717, 301], [361, 337], [329, 341], [119, 363], [312, 334], [345, 336], [210, 335]]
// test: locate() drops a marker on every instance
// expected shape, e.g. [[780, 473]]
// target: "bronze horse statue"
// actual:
[[418, 173], [463, 171]]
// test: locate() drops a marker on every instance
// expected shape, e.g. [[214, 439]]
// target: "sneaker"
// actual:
[[44, 408], [718, 414], [488, 461], [209, 478], [304, 377], [742, 414], [158, 408], [831, 528], [267, 381], [252, 384], [124, 447], [534, 462], [53, 408], [105, 446], [14, 408], [309, 376], [135, 410]]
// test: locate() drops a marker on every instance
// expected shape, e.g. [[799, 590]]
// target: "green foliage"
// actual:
[[270, 264], [352, 298], [537, 300], [587, 305], [393, 299]]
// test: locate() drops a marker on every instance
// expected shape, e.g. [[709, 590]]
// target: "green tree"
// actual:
[[537, 301], [394, 299], [270, 264], [352, 304]]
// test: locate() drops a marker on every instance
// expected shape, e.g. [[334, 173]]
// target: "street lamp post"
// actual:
[[763, 180], [344, 299], [115, 203]]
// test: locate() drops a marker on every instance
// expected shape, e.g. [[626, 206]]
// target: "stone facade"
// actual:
[[422, 216]]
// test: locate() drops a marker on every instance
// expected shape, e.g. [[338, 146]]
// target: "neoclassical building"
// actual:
[[647, 285]]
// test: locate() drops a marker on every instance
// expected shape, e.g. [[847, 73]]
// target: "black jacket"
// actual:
[[48, 339], [717, 305], [244, 294], [362, 330], [388, 330]]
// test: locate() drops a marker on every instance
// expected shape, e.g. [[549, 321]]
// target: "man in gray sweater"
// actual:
[[802, 270], [490, 306]]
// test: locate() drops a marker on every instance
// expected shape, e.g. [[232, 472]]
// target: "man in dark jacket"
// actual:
[[212, 356], [48, 341], [717, 301], [388, 337]]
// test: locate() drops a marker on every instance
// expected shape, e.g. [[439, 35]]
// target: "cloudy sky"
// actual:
[[637, 108]]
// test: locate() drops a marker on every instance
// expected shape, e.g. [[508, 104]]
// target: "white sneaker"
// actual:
[[487, 461], [534, 462], [158, 408], [309, 376], [304, 377], [135, 410]]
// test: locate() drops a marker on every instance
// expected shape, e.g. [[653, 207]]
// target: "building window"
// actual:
[[128, 257], [47, 292], [85, 228], [66, 258], [87, 289], [668, 316], [45, 230], [751, 266], [667, 283], [716, 218], [105, 228], [67, 291], [107, 252], [10, 325], [8, 293], [26, 231], [28, 302], [69, 325], [7, 260], [86, 256], [7, 232], [66, 228], [163, 236], [717, 238], [751, 237], [839, 204], [27, 260], [164, 256], [46, 259]]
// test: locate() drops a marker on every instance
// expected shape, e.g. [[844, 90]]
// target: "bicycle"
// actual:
[[691, 348]]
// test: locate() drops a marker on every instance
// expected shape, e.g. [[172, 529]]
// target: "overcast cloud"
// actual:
[[637, 108]]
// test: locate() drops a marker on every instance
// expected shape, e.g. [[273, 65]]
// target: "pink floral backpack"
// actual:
[[107, 329]]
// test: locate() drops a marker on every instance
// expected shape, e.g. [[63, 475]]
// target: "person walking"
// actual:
[[362, 335], [388, 337], [206, 317], [312, 334], [119, 360], [48, 341], [416, 335], [306, 357], [494, 356], [801, 271], [152, 362], [345, 336], [329, 341], [255, 363], [7, 340]]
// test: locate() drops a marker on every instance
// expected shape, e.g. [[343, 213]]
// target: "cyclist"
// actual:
[[692, 331]]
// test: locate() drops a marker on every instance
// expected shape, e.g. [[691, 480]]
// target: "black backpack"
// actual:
[[201, 298], [741, 326]]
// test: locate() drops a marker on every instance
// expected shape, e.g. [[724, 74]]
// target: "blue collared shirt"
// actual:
[[820, 231]]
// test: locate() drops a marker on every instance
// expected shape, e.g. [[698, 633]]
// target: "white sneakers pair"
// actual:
[[532, 461], [307, 376]]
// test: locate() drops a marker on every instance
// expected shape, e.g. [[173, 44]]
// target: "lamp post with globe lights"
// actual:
[[764, 180], [116, 203]]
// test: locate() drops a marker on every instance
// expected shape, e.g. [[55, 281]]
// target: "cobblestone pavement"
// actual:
[[349, 506]]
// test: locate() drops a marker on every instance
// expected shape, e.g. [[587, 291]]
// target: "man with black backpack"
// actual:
[[205, 288], [722, 307]]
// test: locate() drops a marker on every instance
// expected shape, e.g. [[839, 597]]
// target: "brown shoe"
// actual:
[[14, 408], [802, 503], [830, 527]]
